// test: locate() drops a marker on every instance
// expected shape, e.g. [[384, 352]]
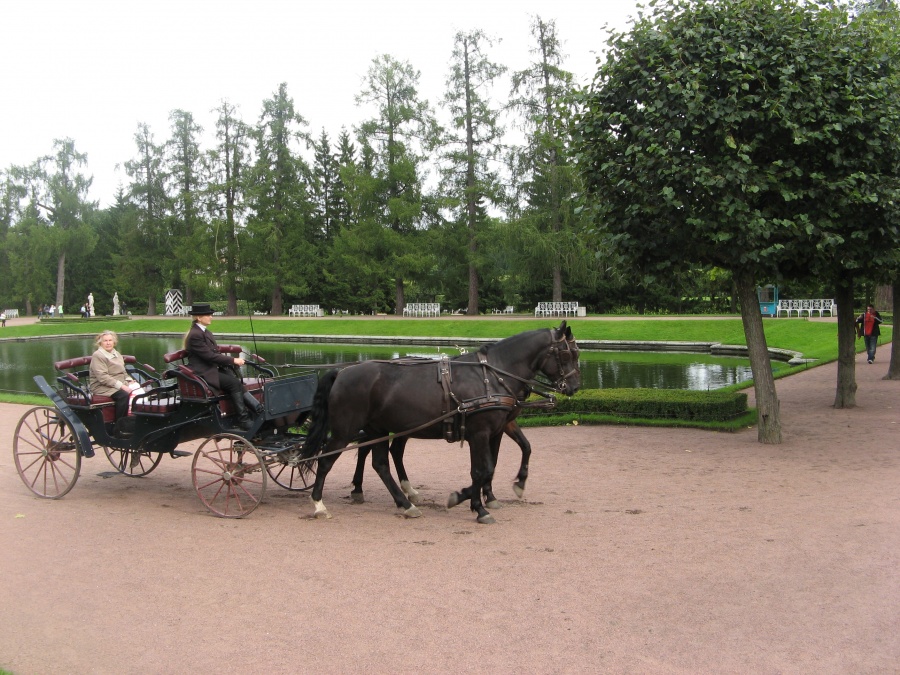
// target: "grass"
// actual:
[[815, 340]]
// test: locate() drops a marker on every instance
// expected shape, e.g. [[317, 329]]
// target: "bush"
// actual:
[[653, 404]]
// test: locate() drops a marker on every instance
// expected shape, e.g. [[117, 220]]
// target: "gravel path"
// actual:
[[635, 551]]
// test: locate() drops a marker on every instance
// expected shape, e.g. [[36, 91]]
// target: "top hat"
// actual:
[[200, 309]]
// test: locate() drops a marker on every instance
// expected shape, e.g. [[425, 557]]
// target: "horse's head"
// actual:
[[560, 362]]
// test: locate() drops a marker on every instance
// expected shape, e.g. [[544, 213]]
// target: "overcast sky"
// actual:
[[92, 70]]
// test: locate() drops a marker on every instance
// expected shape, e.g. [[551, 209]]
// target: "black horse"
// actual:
[[470, 397], [398, 445]]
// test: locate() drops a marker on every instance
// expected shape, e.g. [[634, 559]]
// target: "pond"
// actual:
[[20, 361]]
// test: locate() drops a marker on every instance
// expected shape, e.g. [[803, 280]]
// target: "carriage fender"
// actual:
[[81, 434]]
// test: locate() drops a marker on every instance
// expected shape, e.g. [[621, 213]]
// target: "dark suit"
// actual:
[[205, 360]]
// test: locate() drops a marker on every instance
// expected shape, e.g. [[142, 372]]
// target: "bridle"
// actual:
[[556, 350]]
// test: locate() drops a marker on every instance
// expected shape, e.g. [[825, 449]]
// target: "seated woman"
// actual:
[[108, 375]]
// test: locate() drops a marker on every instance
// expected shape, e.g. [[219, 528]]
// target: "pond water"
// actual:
[[20, 361]]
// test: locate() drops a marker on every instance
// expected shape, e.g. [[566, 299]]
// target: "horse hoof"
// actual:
[[357, 498], [322, 515], [519, 490], [411, 493], [412, 512], [487, 519], [320, 510], [453, 500], [493, 504]]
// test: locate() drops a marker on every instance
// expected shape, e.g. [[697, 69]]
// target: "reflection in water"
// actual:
[[20, 361]]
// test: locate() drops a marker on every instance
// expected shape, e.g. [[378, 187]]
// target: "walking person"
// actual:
[[868, 328]]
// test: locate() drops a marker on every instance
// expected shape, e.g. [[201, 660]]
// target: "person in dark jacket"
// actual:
[[217, 369], [867, 327]]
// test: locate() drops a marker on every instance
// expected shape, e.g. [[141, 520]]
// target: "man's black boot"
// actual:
[[243, 417]]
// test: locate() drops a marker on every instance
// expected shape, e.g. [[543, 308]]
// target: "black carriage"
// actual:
[[229, 468]]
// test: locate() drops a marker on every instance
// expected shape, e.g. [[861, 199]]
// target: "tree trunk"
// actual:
[[557, 284], [767, 405], [61, 278], [845, 395], [277, 301], [399, 297], [893, 372]]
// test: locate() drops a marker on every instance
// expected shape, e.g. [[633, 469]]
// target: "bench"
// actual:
[[422, 309], [74, 388], [810, 307], [509, 309], [305, 310], [559, 309], [11, 313]]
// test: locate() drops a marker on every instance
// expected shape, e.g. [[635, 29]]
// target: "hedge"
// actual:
[[680, 404]]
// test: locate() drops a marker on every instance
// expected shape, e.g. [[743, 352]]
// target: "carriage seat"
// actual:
[[192, 387], [74, 387]]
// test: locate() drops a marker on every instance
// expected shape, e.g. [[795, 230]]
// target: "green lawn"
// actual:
[[814, 339]]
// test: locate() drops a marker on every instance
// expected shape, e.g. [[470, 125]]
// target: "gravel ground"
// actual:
[[635, 550]]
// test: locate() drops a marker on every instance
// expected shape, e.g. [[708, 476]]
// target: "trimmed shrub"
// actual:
[[674, 404]]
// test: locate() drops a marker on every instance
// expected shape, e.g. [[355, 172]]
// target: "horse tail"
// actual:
[[318, 431]]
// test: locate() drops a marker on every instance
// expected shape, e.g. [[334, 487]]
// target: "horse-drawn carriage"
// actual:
[[473, 398], [229, 468]]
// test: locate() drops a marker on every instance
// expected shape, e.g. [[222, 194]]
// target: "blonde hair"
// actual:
[[100, 337]]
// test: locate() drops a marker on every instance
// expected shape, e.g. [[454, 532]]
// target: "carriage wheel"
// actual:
[[47, 455], [228, 475], [132, 462], [285, 469]]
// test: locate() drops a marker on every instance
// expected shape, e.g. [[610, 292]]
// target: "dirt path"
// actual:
[[636, 551]]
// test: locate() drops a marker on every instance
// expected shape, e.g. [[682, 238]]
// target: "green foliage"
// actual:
[[706, 406]]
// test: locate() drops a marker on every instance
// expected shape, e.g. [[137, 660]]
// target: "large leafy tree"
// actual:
[[724, 133], [395, 137], [471, 148]]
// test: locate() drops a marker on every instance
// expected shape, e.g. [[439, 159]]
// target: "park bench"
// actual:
[[305, 310], [810, 307], [559, 309], [509, 309], [11, 313], [422, 309]]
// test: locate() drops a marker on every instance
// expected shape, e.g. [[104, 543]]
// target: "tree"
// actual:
[[227, 163], [284, 245], [147, 244], [720, 133], [63, 194], [471, 147], [185, 169], [543, 213], [402, 125]]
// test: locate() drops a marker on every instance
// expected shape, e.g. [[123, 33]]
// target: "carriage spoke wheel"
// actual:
[[285, 468], [47, 455], [229, 475], [132, 462]]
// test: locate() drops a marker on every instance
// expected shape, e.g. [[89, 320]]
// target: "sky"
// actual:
[[92, 70]]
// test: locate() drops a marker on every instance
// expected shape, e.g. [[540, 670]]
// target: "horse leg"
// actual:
[[490, 501], [323, 466], [356, 495], [383, 468], [514, 431], [481, 462], [398, 445]]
